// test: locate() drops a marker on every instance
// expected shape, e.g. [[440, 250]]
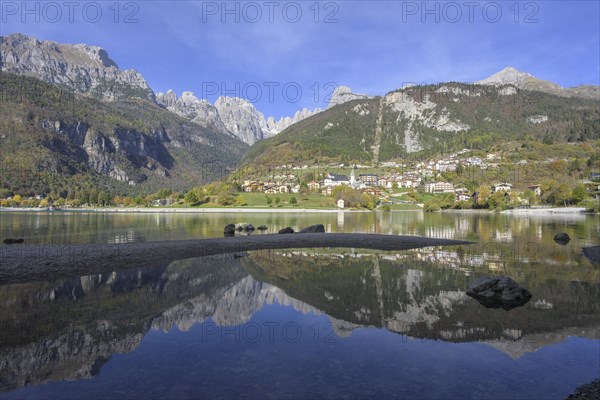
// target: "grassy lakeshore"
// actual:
[[188, 210]]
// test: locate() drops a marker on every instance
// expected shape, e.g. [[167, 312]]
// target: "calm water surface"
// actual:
[[298, 323]]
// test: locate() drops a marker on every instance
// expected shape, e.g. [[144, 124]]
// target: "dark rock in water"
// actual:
[[244, 226], [229, 229], [262, 228], [13, 241], [592, 253], [286, 230], [586, 392], [562, 238], [318, 228], [241, 255], [498, 292]]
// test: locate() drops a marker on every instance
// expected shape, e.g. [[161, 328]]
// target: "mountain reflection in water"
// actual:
[[69, 329]]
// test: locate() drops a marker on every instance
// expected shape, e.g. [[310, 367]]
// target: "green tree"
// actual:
[[304, 190], [530, 196], [226, 199], [579, 193], [269, 200], [293, 200], [484, 195], [191, 197], [431, 205], [563, 194]]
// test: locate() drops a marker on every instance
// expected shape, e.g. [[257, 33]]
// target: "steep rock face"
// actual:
[[108, 155], [232, 116], [343, 94], [80, 67], [130, 141], [241, 118], [194, 109], [424, 112]]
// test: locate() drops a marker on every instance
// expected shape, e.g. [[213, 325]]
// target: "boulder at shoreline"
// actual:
[[318, 228]]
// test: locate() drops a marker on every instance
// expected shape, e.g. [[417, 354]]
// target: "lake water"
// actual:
[[306, 323]]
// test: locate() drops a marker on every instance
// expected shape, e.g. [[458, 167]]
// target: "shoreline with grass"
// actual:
[[187, 210], [277, 210], [525, 211]]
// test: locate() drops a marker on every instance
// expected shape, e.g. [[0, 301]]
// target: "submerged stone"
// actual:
[[498, 292], [13, 241], [562, 238], [286, 230]]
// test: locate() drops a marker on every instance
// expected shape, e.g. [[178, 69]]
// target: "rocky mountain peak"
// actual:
[[507, 76], [241, 118], [343, 94], [194, 109], [85, 69], [526, 81], [97, 54]]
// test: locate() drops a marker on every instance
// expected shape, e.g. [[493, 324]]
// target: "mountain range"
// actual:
[[89, 70], [70, 111], [426, 119]]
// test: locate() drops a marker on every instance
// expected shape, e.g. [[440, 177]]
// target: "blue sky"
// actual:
[[214, 48]]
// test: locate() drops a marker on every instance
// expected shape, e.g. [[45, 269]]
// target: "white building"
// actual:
[[336, 180], [501, 187], [439, 187]]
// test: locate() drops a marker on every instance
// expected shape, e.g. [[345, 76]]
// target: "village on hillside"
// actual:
[[394, 181]]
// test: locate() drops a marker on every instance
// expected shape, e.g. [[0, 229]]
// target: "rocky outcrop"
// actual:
[[343, 94], [194, 109], [241, 118], [230, 115], [498, 292], [523, 80], [273, 127], [414, 111], [82, 68]]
